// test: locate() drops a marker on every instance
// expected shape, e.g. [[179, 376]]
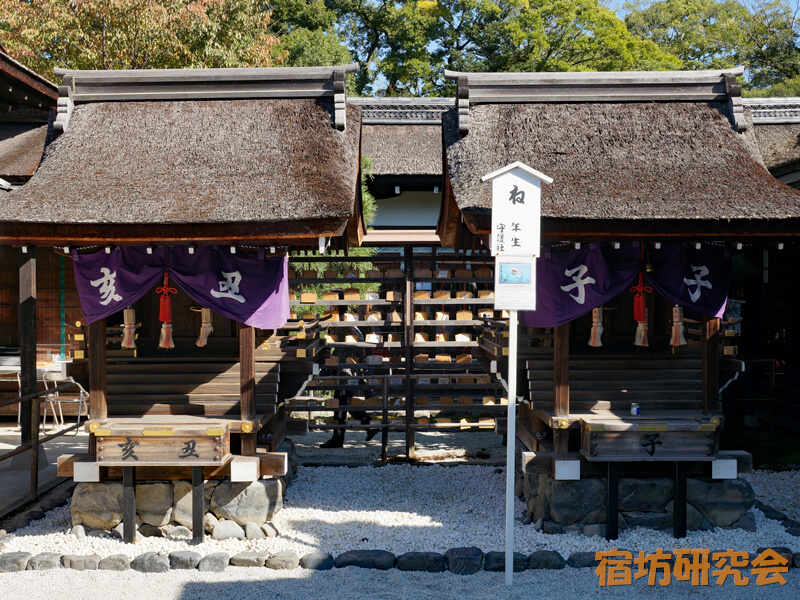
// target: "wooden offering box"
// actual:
[[137, 444]]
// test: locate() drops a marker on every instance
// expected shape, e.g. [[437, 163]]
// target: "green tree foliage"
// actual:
[[137, 34], [307, 33], [702, 33], [404, 46], [763, 36]]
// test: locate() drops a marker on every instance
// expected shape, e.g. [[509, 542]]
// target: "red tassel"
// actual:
[[165, 306], [639, 307], [639, 301], [165, 313]]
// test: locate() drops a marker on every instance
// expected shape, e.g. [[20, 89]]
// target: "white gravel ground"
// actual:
[[354, 583], [398, 508], [780, 490]]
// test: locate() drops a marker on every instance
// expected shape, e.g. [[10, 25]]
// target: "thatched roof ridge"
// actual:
[[625, 160], [195, 162], [403, 149]]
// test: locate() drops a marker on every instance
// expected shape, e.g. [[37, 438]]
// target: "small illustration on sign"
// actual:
[[519, 273]]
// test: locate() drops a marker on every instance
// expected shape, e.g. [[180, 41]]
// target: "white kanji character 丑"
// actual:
[[229, 287]]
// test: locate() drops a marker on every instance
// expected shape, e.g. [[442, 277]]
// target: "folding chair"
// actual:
[[55, 398], [47, 400]]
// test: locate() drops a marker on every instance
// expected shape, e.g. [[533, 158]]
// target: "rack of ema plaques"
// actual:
[[404, 344]]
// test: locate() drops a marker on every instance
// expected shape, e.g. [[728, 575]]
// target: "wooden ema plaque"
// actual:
[[163, 444]]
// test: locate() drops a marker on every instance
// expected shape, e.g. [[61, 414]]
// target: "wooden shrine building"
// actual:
[[651, 157], [238, 162]]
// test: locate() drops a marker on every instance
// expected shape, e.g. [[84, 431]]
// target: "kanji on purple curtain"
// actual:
[[246, 287], [109, 283], [697, 279], [250, 288], [573, 282]]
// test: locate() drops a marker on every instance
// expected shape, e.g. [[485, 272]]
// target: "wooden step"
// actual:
[[218, 408], [621, 396], [608, 374], [195, 378], [191, 397], [187, 367], [181, 387], [620, 406], [621, 384], [656, 364]]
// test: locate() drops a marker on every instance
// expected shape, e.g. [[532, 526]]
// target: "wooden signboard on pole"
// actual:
[[515, 243]]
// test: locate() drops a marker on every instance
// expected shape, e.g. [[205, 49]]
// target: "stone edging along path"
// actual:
[[461, 561]]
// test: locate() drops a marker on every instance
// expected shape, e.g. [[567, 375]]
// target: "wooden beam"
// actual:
[[247, 384], [561, 385], [98, 393], [300, 232], [408, 325], [560, 229], [710, 341], [27, 340], [561, 370]]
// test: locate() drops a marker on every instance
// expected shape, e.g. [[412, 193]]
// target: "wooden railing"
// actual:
[[35, 440]]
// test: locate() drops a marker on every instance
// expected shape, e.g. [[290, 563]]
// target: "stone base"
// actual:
[[580, 506], [163, 505]]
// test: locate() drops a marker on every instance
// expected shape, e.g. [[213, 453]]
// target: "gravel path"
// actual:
[[477, 447], [398, 508], [780, 490], [353, 583]]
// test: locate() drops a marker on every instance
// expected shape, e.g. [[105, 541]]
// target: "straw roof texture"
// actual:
[[632, 161], [779, 144], [403, 149], [21, 146], [195, 162]]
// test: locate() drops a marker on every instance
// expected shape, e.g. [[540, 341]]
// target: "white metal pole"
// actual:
[[511, 443]]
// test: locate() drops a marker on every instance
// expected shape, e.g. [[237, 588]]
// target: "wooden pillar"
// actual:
[[129, 505], [198, 505], [98, 406], [29, 411], [710, 339], [561, 385], [612, 501], [247, 387], [679, 512], [408, 323]]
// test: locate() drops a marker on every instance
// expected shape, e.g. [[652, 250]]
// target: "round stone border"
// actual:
[[461, 561]]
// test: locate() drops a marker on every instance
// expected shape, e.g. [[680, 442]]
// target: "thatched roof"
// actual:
[[779, 143], [619, 161], [403, 149], [21, 146], [279, 164]]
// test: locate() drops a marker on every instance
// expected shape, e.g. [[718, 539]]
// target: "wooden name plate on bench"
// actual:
[[131, 444]]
